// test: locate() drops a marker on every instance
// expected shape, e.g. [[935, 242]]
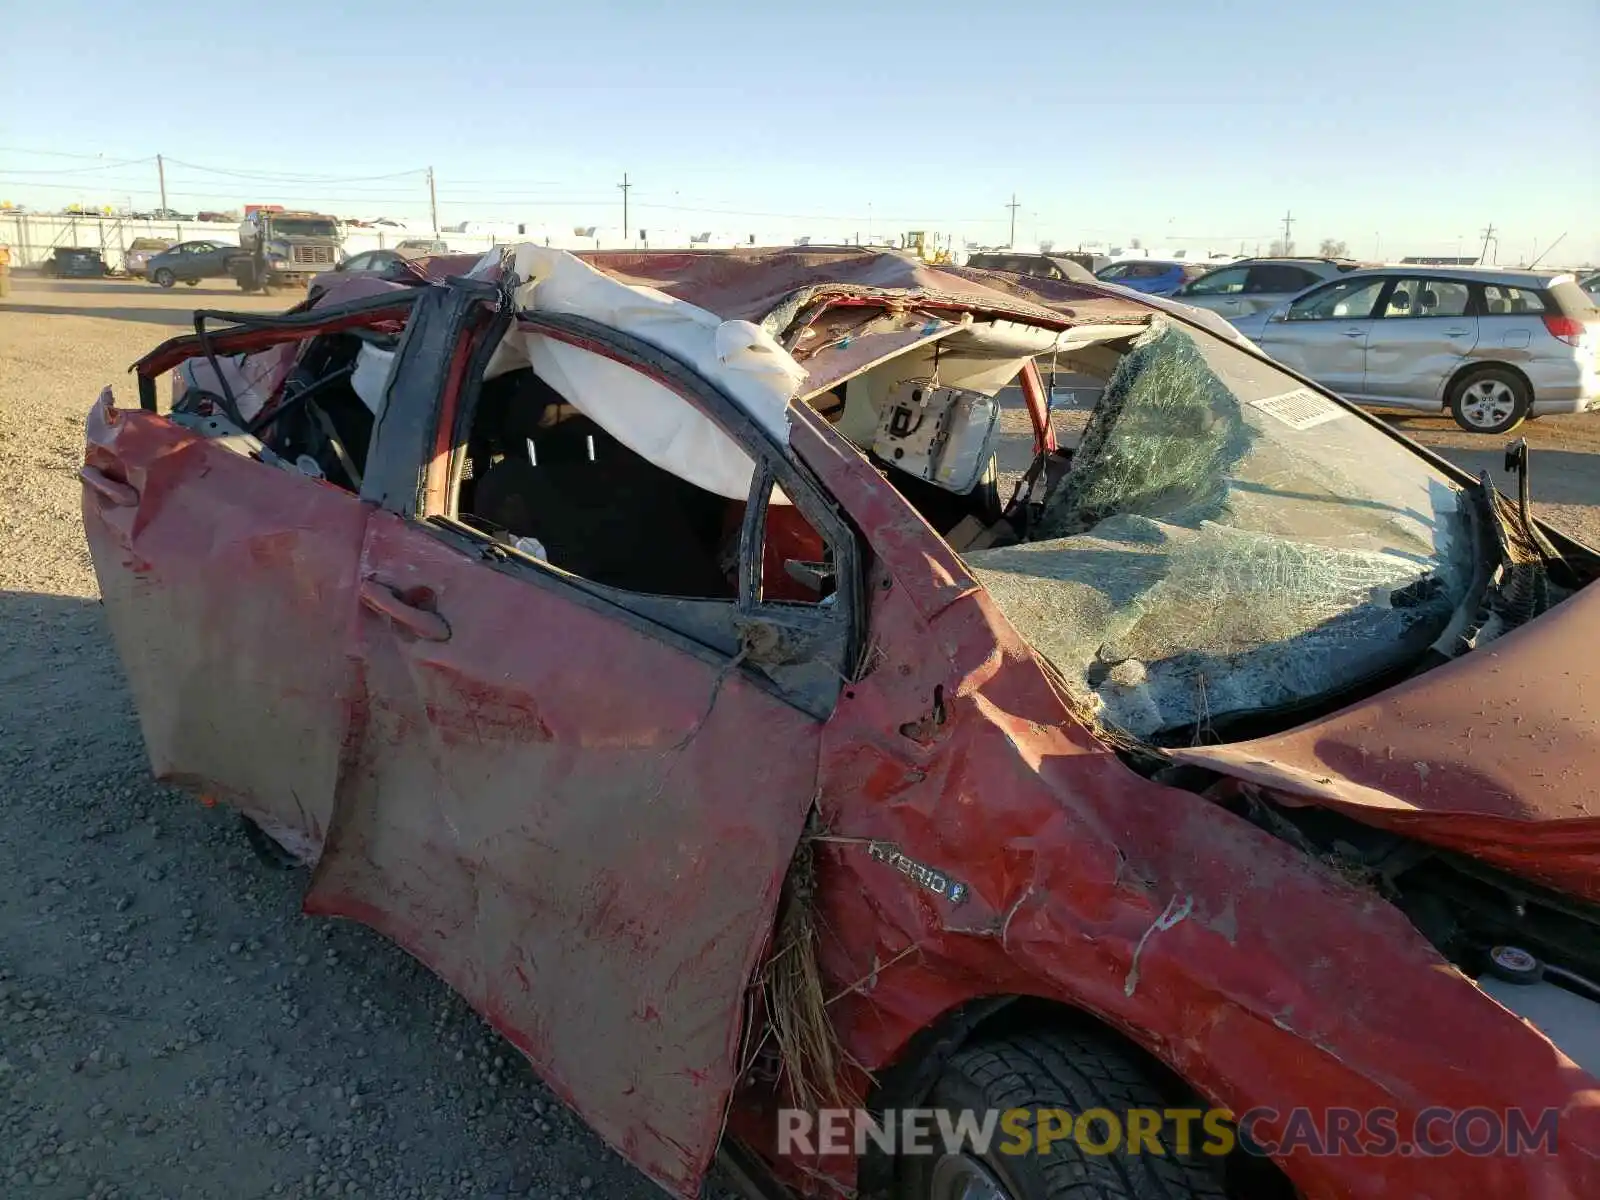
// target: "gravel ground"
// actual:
[[170, 1025]]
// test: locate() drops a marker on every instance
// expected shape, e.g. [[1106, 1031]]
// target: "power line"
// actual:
[[287, 176], [53, 153], [125, 162], [624, 185]]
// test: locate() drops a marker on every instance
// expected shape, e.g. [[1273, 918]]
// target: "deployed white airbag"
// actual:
[[644, 415]]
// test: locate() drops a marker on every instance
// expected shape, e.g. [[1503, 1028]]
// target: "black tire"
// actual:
[[192, 282], [1076, 1071], [163, 278], [1490, 400], [266, 848]]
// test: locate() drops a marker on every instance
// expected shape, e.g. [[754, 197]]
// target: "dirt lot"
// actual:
[[169, 1024]]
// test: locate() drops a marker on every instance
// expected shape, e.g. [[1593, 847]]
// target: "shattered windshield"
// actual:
[[1228, 541], [303, 227]]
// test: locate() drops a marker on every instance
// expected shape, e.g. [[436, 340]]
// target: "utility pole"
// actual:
[[1013, 206], [161, 173], [625, 185], [433, 202], [1488, 236], [1288, 246]]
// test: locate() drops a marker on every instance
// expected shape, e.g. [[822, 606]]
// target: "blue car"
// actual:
[[1152, 276]]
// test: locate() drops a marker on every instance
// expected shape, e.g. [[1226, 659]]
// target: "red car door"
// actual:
[[230, 587], [578, 816]]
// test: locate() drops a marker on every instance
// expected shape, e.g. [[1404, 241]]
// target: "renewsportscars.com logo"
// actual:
[[1168, 1131]]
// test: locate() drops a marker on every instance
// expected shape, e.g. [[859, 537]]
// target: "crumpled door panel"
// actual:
[[229, 587], [582, 828]]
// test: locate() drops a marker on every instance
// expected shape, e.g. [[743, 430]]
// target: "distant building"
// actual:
[[1427, 260]]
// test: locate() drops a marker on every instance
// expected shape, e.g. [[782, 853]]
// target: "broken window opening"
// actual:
[[311, 402], [554, 484], [1226, 544], [540, 476]]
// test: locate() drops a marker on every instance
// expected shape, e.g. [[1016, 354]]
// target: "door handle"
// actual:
[[1456, 332], [429, 626], [1355, 333], [114, 491]]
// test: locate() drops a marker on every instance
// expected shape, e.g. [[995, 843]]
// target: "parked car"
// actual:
[[190, 262], [689, 707], [140, 251], [1152, 276], [1493, 347], [75, 262], [1042, 266], [393, 265], [1257, 284]]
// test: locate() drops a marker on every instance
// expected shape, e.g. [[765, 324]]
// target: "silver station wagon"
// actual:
[[1494, 347]]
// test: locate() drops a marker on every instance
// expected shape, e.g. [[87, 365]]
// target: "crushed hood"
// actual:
[[1492, 755]]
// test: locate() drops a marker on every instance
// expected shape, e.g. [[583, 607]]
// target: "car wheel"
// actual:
[[164, 278], [192, 282], [1490, 400], [1071, 1071], [266, 847]]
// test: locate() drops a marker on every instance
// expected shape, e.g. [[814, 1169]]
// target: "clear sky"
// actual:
[[1182, 124]]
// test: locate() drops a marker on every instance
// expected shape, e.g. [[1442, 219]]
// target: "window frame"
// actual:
[[1480, 299], [1192, 288], [1474, 299], [1249, 290], [1329, 285], [721, 630]]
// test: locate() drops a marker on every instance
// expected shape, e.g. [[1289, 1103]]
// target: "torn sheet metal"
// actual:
[[1494, 754]]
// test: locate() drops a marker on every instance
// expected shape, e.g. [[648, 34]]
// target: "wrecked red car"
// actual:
[[647, 644]]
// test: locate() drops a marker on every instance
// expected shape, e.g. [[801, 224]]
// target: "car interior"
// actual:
[[545, 478], [539, 468]]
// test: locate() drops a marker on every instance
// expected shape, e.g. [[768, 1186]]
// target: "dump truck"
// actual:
[[285, 249]]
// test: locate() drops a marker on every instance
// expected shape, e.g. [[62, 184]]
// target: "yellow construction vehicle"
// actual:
[[927, 247]]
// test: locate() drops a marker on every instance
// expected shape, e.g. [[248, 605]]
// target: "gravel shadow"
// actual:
[[178, 317]]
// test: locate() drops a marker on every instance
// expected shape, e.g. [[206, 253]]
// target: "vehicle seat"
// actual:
[[1429, 302], [616, 519]]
